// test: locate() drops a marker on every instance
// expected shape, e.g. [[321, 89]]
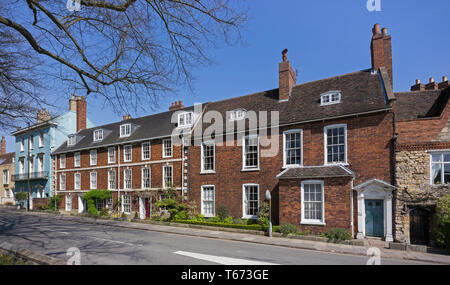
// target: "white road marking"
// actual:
[[223, 260], [64, 233]]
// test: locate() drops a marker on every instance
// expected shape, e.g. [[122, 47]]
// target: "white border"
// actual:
[[203, 171], [301, 148], [214, 202], [244, 216], [325, 141], [244, 167], [304, 221]]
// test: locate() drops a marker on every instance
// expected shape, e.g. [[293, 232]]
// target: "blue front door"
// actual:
[[374, 218]]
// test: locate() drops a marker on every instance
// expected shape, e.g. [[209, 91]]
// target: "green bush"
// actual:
[[181, 215], [223, 213], [21, 196], [288, 228], [254, 227], [338, 234], [263, 214], [443, 221], [54, 202], [228, 220], [90, 198], [173, 206], [214, 219]]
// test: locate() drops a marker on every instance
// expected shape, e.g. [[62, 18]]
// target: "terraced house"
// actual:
[[6, 172], [135, 159]]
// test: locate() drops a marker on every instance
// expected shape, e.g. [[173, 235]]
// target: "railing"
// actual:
[[32, 175]]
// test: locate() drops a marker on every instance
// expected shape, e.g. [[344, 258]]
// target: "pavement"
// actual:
[[120, 242]]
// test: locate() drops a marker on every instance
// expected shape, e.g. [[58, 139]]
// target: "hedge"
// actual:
[[444, 235], [227, 225]]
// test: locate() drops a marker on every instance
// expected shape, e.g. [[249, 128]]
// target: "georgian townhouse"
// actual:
[[6, 172], [34, 144], [422, 158], [332, 166], [133, 158]]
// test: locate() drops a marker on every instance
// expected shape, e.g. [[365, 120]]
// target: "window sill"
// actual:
[[250, 169], [337, 164], [207, 172], [292, 166], [250, 217], [312, 223]]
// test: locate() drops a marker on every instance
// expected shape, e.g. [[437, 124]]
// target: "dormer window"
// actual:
[[98, 135], [71, 140], [330, 98], [185, 119], [237, 114], [125, 130]]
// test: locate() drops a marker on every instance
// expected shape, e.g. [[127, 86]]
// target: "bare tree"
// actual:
[[131, 52]]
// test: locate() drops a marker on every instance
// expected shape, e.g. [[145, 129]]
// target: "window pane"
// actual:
[[447, 173], [336, 145]]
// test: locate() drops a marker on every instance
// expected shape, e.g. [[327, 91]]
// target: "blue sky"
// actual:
[[325, 38]]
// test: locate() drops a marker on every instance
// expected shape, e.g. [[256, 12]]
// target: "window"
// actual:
[[111, 180], [62, 161], [31, 165], [68, 203], [31, 142], [126, 204], [167, 148], [167, 176], [251, 152], [111, 155], [5, 177], [93, 180], [330, 98], [41, 139], [71, 140], [22, 144], [125, 130], [127, 157], [440, 168], [146, 178], [62, 182], [93, 157], [251, 201], [98, 135], [146, 151], [208, 157], [127, 173], [312, 198], [185, 119], [237, 114], [100, 204], [21, 166], [77, 161], [40, 163], [77, 181], [292, 148], [335, 144], [208, 209]]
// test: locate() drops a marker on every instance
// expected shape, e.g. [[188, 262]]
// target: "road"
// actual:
[[110, 245]]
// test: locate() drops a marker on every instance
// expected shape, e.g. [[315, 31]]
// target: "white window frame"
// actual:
[[149, 178], [31, 164], [93, 157], [71, 140], [125, 130], [238, 114], [143, 146], [112, 151], [244, 166], [125, 148], [41, 162], [128, 204], [442, 163], [330, 98], [203, 170], [304, 221], [164, 148], [77, 159], [62, 181], [93, 182], [244, 214], [68, 205], [213, 201], [62, 161], [125, 180], [110, 180], [21, 165], [288, 132], [31, 142], [98, 135], [182, 119], [41, 139], [22, 144], [6, 177], [325, 143], [75, 186], [164, 176]]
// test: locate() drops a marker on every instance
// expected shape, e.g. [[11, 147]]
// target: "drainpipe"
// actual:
[[351, 209]]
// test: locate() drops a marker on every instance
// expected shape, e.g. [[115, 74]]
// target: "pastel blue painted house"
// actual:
[[35, 143]]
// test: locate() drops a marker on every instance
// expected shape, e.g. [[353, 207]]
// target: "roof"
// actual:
[[143, 128], [7, 158], [312, 172], [421, 104], [362, 92]]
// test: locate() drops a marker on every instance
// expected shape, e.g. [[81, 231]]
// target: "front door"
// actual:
[[418, 226], [374, 218], [147, 208]]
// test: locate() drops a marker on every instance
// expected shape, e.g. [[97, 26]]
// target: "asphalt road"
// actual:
[[110, 245]]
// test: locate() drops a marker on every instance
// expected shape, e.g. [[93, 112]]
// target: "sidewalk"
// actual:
[[261, 239]]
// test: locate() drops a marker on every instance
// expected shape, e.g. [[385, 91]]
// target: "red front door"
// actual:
[[147, 208]]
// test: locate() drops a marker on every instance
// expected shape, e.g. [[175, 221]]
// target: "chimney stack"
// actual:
[[287, 78], [381, 50], [432, 85], [73, 103], [444, 83], [126, 117], [81, 112], [3, 146], [177, 105], [43, 115], [418, 86]]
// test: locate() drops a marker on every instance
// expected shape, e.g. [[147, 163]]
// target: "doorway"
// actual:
[[374, 218], [419, 226]]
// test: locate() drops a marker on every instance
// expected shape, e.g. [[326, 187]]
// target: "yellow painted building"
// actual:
[[6, 174]]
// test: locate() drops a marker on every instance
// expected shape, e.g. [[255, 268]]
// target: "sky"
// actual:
[[325, 38]]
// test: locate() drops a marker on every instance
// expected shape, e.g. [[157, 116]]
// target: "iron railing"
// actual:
[[32, 175]]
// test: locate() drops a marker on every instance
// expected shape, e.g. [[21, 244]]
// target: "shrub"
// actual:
[[90, 198], [214, 219], [338, 234], [9, 204], [21, 196], [288, 228], [251, 222], [228, 220], [443, 221], [239, 221], [255, 227], [263, 214], [173, 207], [181, 215], [223, 213], [54, 202], [199, 218]]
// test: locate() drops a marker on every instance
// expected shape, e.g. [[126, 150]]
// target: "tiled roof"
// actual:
[[7, 158], [315, 172]]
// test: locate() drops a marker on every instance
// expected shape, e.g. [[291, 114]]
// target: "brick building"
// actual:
[[132, 158]]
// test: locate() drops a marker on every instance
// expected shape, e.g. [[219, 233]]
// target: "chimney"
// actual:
[[177, 105], [81, 113], [444, 82], [126, 117], [73, 103], [43, 115], [381, 50], [3, 147], [432, 85], [418, 86], [287, 78]]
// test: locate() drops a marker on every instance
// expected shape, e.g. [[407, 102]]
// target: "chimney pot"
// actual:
[[384, 31], [376, 29], [417, 81], [444, 78], [431, 80]]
